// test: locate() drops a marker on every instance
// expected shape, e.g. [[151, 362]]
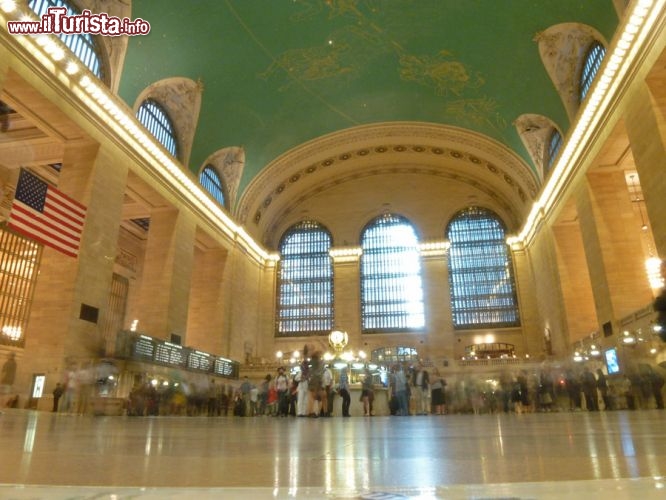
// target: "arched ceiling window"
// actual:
[[391, 285], [153, 116], [81, 44], [591, 64], [554, 146], [211, 182], [305, 281], [481, 281]]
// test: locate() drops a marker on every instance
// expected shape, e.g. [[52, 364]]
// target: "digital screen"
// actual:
[[169, 354], [197, 360], [144, 347], [612, 363], [38, 388], [226, 368]]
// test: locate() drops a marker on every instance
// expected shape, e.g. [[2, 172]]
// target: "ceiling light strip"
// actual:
[[50, 52], [617, 63]]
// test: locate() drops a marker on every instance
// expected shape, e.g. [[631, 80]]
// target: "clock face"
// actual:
[[337, 339]]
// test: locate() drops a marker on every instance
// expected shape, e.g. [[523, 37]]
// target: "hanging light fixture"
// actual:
[[653, 270], [637, 199], [652, 263]]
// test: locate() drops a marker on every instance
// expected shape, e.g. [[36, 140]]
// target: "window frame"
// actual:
[[165, 133], [379, 308], [86, 48], [592, 62], [477, 275], [18, 279], [319, 280], [215, 180], [555, 142]]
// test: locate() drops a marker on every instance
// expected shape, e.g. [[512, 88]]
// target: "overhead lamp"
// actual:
[[8, 6], [72, 68], [653, 270], [628, 338], [637, 199]]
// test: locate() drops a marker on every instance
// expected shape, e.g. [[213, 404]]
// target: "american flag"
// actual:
[[44, 214]]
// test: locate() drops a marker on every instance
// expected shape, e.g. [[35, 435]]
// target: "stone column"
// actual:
[[7, 178], [437, 305], [611, 238], [167, 272], [205, 319], [347, 290], [243, 314], [530, 324], [4, 66], [576, 298], [66, 285], [646, 128]]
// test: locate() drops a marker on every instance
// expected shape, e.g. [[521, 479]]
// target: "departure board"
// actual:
[[148, 349], [169, 354], [144, 347], [197, 360], [226, 368]]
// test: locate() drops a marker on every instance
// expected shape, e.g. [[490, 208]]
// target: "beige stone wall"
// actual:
[[576, 288], [646, 129], [165, 287], [205, 319], [437, 301], [429, 202], [576, 274], [245, 325]]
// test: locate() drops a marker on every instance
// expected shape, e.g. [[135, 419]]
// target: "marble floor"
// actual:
[[536, 456]]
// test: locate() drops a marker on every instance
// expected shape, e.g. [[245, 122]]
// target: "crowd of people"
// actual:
[[413, 389], [316, 389]]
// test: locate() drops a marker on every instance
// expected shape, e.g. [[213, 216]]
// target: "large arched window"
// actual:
[[211, 182], [153, 116], [591, 64], [483, 292], [391, 288], [305, 281], [554, 146], [81, 44]]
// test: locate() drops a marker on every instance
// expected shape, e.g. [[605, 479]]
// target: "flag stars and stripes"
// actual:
[[44, 214]]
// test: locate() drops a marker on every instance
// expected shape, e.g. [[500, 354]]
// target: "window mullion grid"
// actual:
[[479, 291], [385, 296], [305, 255]]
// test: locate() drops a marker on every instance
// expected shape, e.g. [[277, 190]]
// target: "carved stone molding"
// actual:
[[114, 46], [229, 164], [535, 132], [562, 48], [413, 140], [181, 98], [294, 203], [127, 259]]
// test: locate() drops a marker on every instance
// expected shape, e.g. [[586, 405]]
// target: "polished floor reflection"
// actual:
[[612, 455]]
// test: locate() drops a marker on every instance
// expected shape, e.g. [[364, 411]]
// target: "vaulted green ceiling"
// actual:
[[277, 73]]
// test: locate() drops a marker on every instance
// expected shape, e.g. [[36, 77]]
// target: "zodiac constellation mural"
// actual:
[[446, 76], [349, 50]]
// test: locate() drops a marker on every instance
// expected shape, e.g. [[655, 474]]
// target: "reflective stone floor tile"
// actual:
[[559, 455]]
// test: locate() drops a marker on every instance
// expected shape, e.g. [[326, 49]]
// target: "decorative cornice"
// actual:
[[419, 143], [294, 203]]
